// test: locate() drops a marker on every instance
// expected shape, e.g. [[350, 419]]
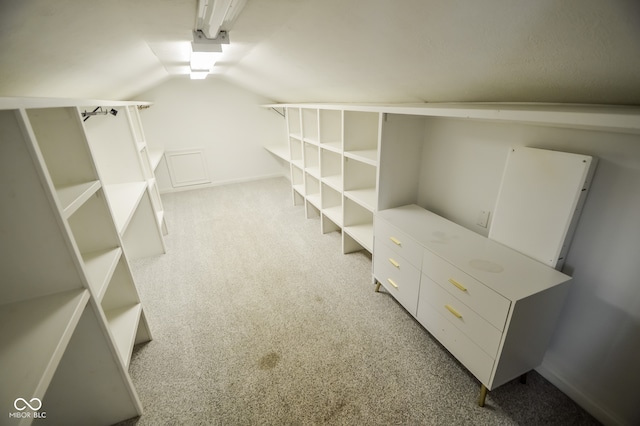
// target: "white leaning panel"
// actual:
[[539, 198]]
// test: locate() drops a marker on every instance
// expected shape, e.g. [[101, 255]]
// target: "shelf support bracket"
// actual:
[[278, 112]]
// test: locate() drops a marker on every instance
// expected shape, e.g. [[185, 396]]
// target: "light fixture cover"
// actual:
[[198, 75], [203, 60]]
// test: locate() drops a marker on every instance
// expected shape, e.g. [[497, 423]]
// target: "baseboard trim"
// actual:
[[580, 397], [219, 183]]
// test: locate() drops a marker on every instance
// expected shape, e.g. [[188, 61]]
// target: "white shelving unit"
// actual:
[[68, 300], [333, 156], [370, 154], [149, 159]]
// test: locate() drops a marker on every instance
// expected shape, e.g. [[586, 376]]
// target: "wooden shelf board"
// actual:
[[299, 189], [314, 171], [614, 118], [367, 198], [123, 323], [100, 266], [362, 233], [334, 214], [123, 199], [34, 335], [332, 146], [312, 141], [314, 199], [334, 182], [73, 196], [155, 156], [297, 136], [368, 156], [35, 102], [298, 164], [280, 151]]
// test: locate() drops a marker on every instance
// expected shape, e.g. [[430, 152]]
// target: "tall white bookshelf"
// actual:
[[70, 312]]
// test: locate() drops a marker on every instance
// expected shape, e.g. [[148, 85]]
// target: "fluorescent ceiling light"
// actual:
[[203, 60], [214, 16], [198, 75]]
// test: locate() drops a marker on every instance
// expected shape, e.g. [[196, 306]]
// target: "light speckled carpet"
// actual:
[[259, 319]]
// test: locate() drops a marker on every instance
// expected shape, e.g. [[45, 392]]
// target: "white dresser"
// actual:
[[493, 308]]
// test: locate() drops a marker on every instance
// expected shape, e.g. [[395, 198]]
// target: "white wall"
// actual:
[[595, 351], [227, 122]]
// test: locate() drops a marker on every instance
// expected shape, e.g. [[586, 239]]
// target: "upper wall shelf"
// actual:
[[611, 118], [28, 103]]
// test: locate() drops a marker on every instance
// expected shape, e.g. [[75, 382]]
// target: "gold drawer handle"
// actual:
[[453, 311], [395, 241], [394, 263], [457, 284], [392, 283]]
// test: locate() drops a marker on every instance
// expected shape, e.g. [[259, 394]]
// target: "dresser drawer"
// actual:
[[399, 277], [456, 342], [461, 316], [399, 241], [484, 301]]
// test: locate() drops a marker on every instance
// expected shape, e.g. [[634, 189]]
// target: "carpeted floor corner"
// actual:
[[259, 319]]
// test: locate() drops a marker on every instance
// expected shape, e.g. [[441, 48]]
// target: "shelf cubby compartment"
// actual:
[[155, 156], [311, 210], [63, 144], [312, 190], [114, 148], [297, 184], [358, 228], [331, 130], [295, 147], [35, 334], [360, 183], [312, 160], [141, 237], [293, 123], [122, 308], [361, 135], [96, 239], [90, 382], [124, 199], [331, 169], [331, 209], [310, 125]]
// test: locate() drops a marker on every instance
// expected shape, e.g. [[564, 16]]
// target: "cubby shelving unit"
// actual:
[[70, 312], [310, 125], [333, 156], [369, 154], [331, 168]]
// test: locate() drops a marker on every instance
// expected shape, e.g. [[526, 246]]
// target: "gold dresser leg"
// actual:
[[483, 395], [377, 286]]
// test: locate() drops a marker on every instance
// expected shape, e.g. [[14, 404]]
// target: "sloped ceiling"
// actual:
[[577, 51]]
